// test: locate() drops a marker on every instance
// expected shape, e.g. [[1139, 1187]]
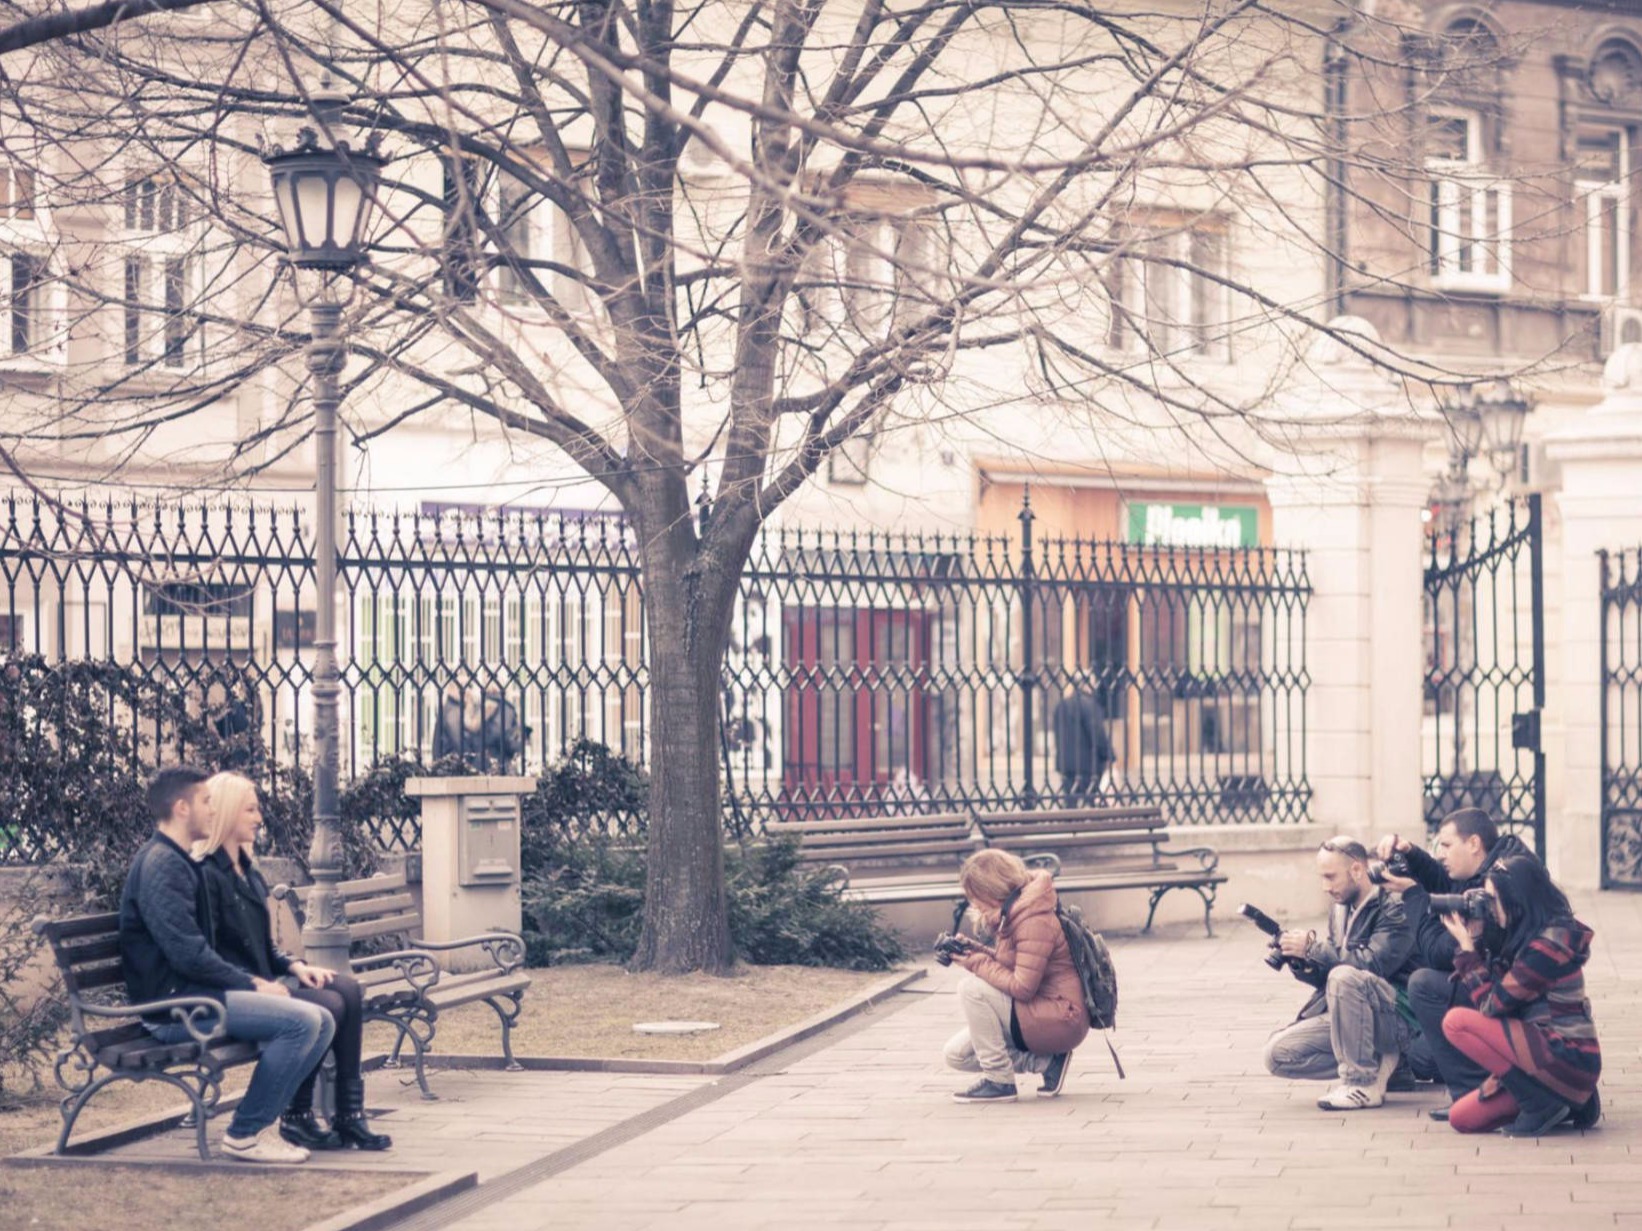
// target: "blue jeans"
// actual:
[[294, 1036]]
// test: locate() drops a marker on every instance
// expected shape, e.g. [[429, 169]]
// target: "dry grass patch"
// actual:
[[162, 1199], [35, 1120], [589, 1011]]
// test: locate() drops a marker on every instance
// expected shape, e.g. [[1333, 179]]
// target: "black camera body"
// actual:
[[1275, 959], [1472, 904], [949, 946], [1380, 869]]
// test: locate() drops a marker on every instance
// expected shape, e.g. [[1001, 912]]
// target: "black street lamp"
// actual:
[[1487, 420], [325, 191]]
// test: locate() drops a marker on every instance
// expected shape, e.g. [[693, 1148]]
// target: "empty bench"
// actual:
[[1108, 848], [405, 987], [107, 1043], [884, 859]]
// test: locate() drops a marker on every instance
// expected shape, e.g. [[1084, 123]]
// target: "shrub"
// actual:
[[587, 906]]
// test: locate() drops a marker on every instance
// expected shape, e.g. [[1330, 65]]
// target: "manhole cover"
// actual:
[[673, 1027]]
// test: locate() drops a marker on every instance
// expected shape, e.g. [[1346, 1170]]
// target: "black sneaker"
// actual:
[[1054, 1077], [1587, 1115], [986, 1091], [1439, 1114]]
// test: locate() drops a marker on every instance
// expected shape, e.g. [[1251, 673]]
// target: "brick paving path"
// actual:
[[857, 1129]]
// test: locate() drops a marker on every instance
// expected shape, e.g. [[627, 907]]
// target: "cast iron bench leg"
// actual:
[[508, 1016], [419, 1045]]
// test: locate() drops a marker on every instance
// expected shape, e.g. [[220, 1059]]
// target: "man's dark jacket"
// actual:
[[1436, 946], [242, 929], [1083, 749], [166, 933], [1380, 941]]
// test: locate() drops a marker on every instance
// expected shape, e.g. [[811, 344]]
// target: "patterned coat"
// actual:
[[1032, 962], [1540, 1001]]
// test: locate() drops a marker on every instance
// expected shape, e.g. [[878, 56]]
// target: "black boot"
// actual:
[[1539, 1110], [350, 1122], [298, 1126], [1588, 1114]]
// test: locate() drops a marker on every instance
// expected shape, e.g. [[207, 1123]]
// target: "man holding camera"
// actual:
[[1468, 845], [1350, 1027]]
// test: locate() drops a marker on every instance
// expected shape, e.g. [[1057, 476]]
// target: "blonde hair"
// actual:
[[229, 794], [992, 875]]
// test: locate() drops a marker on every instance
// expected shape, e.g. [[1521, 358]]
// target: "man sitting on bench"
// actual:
[[165, 944]]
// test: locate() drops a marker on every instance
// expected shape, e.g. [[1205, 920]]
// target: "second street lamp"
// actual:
[[324, 191]]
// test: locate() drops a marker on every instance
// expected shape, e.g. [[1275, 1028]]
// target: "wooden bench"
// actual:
[[405, 987], [874, 857], [107, 1043], [1107, 848]]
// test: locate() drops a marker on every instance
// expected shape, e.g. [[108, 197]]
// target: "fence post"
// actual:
[[1026, 585]]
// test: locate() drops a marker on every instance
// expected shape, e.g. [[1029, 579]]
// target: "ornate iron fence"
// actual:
[[1621, 719], [867, 672], [1485, 669]]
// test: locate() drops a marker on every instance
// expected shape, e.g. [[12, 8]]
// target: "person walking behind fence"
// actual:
[[1022, 999], [479, 725], [1083, 748], [1350, 1028], [166, 946], [1529, 1022], [237, 896]]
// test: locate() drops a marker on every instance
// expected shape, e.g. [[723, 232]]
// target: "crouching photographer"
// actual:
[[1350, 1027], [1022, 999], [1528, 1024]]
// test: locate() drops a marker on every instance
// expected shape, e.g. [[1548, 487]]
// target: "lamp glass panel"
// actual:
[[347, 203], [1466, 425], [313, 208], [1502, 424], [285, 199]]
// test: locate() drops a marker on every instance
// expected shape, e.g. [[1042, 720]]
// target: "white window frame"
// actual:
[[27, 233], [157, 247], [547, 235], [1597, 195], [1196, 310], [1457, 261]]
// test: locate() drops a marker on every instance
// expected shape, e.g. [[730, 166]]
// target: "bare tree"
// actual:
[[692, 244]]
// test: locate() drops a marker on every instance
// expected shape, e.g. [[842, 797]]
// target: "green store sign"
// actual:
[[1194, 525]]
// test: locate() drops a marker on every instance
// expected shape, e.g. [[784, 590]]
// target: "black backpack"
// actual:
[[1093, 962]]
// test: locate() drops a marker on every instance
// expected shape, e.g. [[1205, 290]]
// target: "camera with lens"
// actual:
[[1472, 904], [1276, 958], [949, 946], [1379, 870]]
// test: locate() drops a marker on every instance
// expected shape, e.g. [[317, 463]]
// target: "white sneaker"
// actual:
[[1347, 1097], [266, 1147]]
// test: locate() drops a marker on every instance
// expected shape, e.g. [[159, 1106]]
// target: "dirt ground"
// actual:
[[591, 1010]]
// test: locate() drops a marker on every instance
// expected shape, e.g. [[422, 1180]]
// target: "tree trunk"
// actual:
[[686, 926]]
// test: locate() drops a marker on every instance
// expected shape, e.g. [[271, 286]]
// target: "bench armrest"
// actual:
[[1205, 855], [1043, 859], [417, 967], [187, 1010], [506, 949]]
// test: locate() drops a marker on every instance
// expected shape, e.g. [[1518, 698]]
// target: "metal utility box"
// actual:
[[487, 850]]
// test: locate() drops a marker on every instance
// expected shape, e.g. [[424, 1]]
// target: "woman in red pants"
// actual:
[[1530, 1025]]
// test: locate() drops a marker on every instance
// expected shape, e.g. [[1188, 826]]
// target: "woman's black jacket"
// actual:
[[239, 910]]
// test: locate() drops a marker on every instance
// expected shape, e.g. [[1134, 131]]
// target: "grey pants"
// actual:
[[1361, 1025], [983, 1046]]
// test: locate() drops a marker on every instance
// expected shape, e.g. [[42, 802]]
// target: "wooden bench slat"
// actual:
[[1062, 825], [470, 993], [372, 884], [889, 824], [830, 854], [408, 922], [821, 842], [83, 925], [89, 978], [1082, 816], [102, 949], [362, 910]]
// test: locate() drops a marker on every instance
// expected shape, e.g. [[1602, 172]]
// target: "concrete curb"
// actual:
[[729, 1062], [385, 1211]]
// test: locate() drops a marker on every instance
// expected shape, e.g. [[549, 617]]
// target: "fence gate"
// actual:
[[1621, 719], [1485, 669]]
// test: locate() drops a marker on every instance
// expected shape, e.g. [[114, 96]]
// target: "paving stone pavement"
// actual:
[[862, 1134], [857, 1129]]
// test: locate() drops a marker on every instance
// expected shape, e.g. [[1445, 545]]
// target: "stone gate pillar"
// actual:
[[1601, 507], [1351, 492]]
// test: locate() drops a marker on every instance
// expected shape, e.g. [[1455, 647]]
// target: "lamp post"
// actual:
[[324, 191], [1487, 420]]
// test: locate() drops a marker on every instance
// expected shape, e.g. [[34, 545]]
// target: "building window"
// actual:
[[1169, 293], [16, 194], [158, 271], [1469, 209], [877, 268], [462, 240], [536, 237], [28, 284], [1602, 195]]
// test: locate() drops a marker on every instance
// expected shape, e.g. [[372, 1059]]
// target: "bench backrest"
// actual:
[[86, 949], [1129, 825], [373, 906], [880, 837]]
